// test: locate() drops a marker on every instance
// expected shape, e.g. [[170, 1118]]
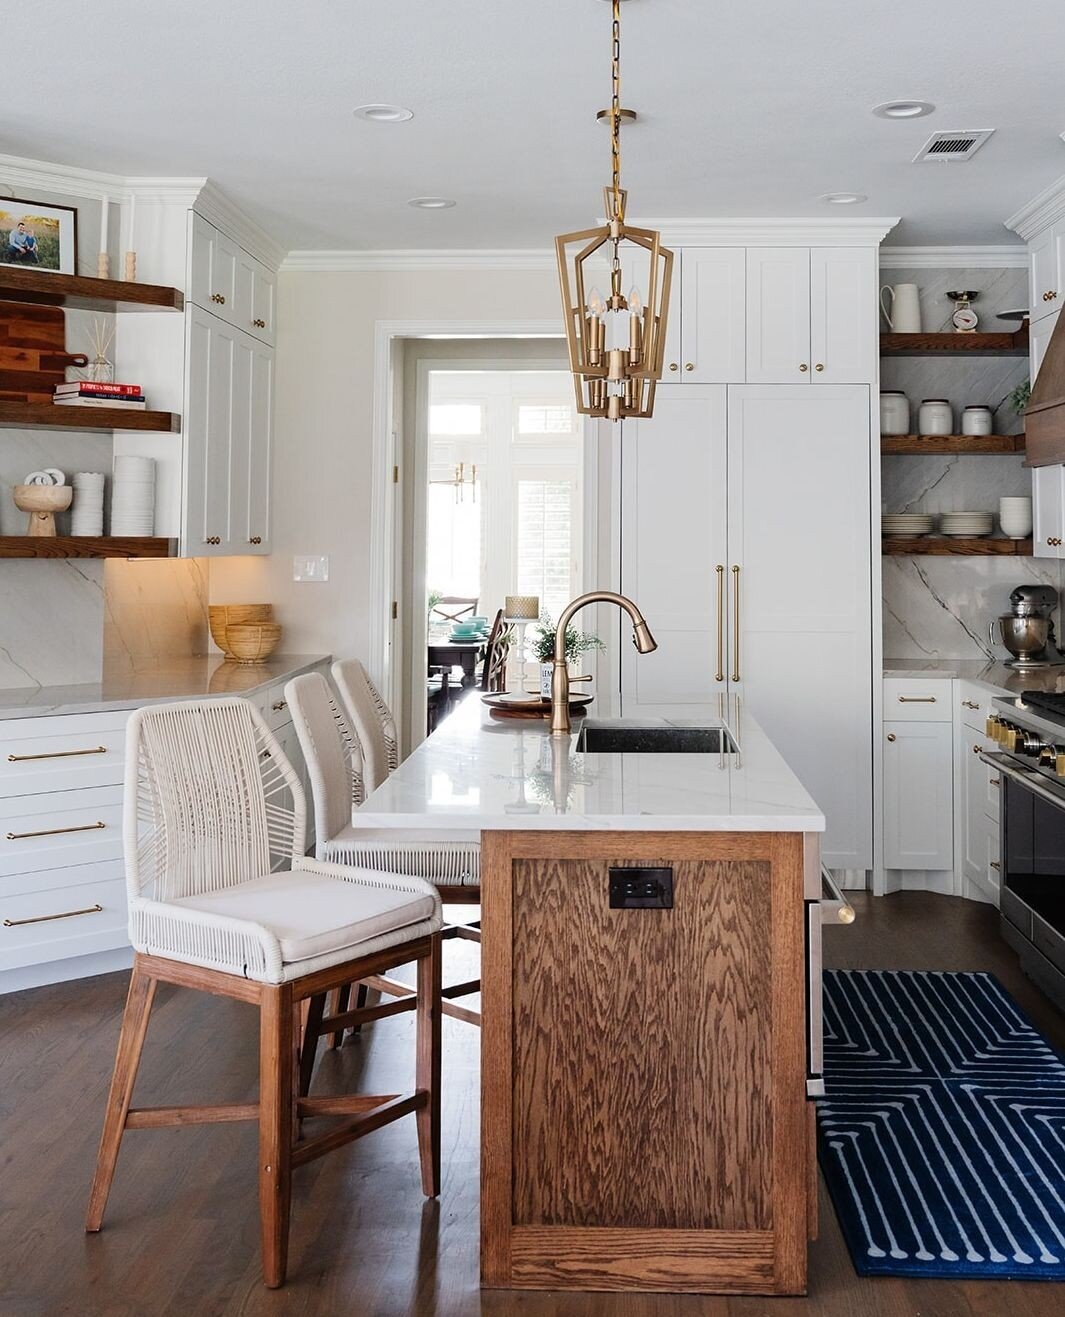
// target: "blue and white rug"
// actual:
[[942, 1135]]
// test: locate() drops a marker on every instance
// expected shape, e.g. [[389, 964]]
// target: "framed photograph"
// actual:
[[36, 236]]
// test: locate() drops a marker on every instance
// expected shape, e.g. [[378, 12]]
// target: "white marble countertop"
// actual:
[[181, 678], [996, 676], [478, 773]]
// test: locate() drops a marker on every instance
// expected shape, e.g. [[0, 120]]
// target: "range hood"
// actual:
[[1044, 417]]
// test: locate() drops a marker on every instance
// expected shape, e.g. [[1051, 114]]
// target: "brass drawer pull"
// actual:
[[995, 864], [44, 919], [57, 754], [719, 675], [968, 704], [278, 705], [58, 832], [917, 699], [995, 781]]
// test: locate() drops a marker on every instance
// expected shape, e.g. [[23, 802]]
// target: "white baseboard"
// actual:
[[62, 971]]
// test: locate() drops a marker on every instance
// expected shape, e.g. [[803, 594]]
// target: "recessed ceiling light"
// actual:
[[383, 113], [843, 198], [431, 203], [903, 109]]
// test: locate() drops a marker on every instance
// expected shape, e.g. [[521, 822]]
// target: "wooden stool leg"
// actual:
[[309, 1047], [339, 998], [276, 1081], [127, 1058], [361, 993], [427, 1076]]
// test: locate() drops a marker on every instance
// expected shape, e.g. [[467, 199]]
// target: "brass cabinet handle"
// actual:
[[57, 832], [995, 864], [820, 366], [689, 365], [719, 675], [674, 366], [994, 781], [736, 623], [891, 736], [803, 366], [969, 704], [217, 297], [255, 539], [57, 754], [917, 699], [44, 919], [278, 705], [259, 324]]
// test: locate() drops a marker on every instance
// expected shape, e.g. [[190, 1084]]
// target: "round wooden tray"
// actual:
[[515, 704]]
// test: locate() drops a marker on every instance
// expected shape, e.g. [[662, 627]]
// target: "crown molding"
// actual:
[[854, 231], [214, 205], [1039, 213], [361, 262], [1003, 256]]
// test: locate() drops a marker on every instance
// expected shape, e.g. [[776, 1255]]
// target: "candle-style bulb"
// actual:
[[635, 301], [596, 305]]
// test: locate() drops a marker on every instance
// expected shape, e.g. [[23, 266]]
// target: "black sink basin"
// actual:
[[621, 738]]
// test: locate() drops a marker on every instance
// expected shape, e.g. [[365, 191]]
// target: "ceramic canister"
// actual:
[[894, 412], [977, 420], [935, 417]]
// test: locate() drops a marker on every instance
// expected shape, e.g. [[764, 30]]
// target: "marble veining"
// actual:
[[476, 773], [154, 610]]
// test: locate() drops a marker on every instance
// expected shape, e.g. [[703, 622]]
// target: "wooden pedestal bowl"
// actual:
[[42, 502]]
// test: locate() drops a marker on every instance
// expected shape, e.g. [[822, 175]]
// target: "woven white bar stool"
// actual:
[[332, 751], [222, 899]]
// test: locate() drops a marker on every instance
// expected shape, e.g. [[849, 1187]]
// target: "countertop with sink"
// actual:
[[995, 675], [182, 678]]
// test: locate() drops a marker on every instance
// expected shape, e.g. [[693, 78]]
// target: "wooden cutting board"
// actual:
[[33, 355]]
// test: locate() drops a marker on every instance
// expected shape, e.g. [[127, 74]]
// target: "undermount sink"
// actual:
[[621, 738]]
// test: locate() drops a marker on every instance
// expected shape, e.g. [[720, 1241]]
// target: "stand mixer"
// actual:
[[1028, 631]]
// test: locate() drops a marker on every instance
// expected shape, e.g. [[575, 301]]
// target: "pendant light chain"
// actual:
[[615, 107]]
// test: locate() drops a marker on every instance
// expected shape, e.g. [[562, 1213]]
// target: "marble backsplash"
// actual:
[[153, 611]]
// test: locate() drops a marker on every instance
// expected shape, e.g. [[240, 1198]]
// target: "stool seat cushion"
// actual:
[[313, 913]]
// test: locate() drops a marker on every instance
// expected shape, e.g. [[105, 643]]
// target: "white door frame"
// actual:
[[383, 567]]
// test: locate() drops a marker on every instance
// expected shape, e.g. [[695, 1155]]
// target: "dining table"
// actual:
[[465, 654]]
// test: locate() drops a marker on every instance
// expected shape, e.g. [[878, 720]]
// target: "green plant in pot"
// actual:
[[577, 643]]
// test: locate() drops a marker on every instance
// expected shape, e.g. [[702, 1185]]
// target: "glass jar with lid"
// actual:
[[894, 412], [935, 416]]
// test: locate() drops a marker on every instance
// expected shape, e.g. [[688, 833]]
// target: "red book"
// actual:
[[88, 386]]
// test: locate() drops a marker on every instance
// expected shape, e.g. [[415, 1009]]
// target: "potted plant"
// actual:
[[577, 643]]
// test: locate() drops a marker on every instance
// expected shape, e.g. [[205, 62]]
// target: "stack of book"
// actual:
[[84, 393]]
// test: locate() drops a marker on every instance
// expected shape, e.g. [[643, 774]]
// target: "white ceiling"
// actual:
[[747, 109]]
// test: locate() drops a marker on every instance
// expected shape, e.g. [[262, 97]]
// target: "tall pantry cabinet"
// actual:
[[746, 532]]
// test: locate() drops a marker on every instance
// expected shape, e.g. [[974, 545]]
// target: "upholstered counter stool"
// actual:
[[333, 750], [222, 899]]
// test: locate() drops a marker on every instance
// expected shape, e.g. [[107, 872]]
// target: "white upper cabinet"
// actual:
[[843, 330], [778, 315], [711, 314], [673, 554], [1047, 258], [1048, 482], [229, 282]]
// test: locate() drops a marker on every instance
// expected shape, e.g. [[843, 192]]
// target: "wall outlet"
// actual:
[[310, 568]]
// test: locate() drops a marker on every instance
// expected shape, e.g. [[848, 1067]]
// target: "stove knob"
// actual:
[[990, 724], [1059, 761], [1012, 739], [1048, 756], [1030, 743]]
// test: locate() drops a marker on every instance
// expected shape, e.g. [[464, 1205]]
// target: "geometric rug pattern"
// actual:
[[942, 1132]]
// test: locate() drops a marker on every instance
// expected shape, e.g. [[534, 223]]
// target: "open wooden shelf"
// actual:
[[917, 345], [86, 546], [951, 443], [52, 416], [940, 545], [83, 293]]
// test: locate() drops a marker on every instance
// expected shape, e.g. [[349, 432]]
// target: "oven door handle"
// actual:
[[1028, 781]]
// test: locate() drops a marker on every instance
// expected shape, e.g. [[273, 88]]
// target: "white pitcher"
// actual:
[[903, 312]]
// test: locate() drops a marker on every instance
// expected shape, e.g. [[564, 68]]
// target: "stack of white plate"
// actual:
[[966, 523], [133, 496], [906, 523], [87, 514]]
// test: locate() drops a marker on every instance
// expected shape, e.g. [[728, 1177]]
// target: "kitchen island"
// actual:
[[650, 996]]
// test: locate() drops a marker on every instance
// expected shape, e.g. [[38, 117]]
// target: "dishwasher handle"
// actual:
[[835, 905]]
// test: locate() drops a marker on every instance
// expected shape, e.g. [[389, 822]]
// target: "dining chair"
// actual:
[[332, 751], [496, 651], [223, 900], [453, 608]]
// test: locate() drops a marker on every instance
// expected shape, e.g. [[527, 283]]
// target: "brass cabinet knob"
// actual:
[[213, 539], [1049, 297], [689, 365], [891, 736], [673, 366], [820, 366], [803, 366], [255, 539], [977, 749], [218, 297], [259, 324]]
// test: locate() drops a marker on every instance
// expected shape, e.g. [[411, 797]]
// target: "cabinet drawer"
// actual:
[[54, 830], [907, 700], [60, 754], [63, 919]]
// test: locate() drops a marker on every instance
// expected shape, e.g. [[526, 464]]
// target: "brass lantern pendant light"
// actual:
[[616, 344]]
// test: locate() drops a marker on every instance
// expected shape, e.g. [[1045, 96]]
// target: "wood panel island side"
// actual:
[[650, 997]]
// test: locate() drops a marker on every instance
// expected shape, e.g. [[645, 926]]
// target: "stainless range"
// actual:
[[1030, 759]]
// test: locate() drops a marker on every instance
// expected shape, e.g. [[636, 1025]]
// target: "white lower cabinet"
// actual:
[[62, 874], [918, 795]]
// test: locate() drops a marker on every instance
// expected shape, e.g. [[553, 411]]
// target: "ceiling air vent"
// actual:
[[953, 146]]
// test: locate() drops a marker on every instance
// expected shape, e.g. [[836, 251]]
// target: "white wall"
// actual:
[[323, 436]]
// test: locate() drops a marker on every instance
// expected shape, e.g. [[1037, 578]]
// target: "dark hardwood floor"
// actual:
[[181, 1234]]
